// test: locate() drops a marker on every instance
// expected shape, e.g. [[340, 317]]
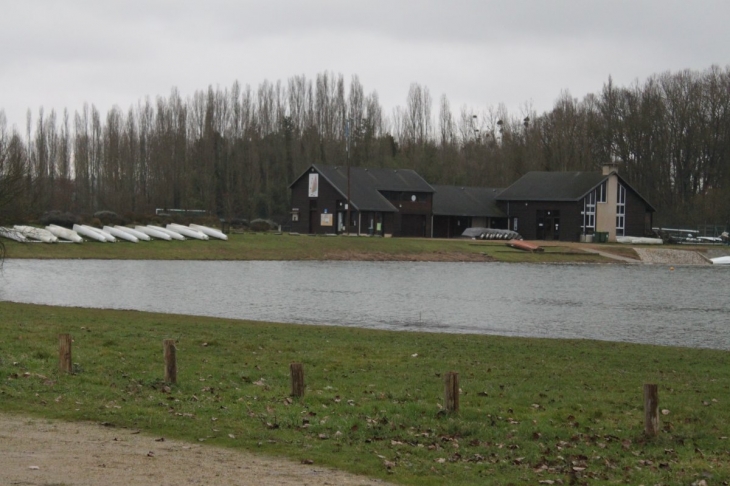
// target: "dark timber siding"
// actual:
[[638, 218], [570, 217], [412, 218], [328, 198]]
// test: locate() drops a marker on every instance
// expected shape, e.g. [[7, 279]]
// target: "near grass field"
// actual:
[[269, 246], [533, 411]]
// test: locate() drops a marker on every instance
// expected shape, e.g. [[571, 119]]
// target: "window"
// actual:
[[621, 211], [601, 190], [589, 211]]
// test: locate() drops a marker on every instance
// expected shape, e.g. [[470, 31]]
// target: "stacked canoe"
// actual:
[[110, 234]]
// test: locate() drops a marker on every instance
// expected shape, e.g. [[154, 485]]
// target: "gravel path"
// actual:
[[671, 257], [52, 453]]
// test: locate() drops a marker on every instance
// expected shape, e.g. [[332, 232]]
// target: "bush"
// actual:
[[239, 222], [109, 218], [65, 219], [263, 225]]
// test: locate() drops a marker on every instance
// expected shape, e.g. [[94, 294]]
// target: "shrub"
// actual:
[[59, 218], [109, 218], [263, 225]]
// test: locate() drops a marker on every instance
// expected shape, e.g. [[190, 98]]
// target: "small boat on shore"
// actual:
[[89, 232], [189, 232], [490, 234], [122, 235], [524, 245], [214, 233], [138, 234], [108, 236], [38, 234], [724, 260], [13, 234], [64, 233], [173, 234], [149, 231], [639, 240]]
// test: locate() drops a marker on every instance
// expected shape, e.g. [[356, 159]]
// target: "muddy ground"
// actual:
[[39, 452]]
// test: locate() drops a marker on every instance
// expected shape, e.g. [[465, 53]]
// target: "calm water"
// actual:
[[649, 304]]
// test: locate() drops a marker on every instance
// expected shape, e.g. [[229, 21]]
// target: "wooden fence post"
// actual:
[[170, 361], [451, 394], [297, 379], [64, 353], [651, 410]]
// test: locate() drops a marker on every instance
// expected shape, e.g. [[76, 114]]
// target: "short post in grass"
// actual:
[[170, 361], [651, 410], [297, 379], [451, 394], [64, 353]]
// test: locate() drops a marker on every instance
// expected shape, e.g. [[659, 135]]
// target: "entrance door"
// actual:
[[540, 230], [548, 225], [341, 222], [312, 215], [413, 225]]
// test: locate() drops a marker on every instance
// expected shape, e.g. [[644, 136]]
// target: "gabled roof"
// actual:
[[552, 186], [366, 184], [466, 201], [559, 186]]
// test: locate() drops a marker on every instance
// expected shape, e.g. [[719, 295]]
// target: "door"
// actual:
[[540, 230], [548, 225], [312, 215], [413, 225]]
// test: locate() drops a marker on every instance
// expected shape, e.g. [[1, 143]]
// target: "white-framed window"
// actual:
[[601, 192], [589, 211], [621, 211]]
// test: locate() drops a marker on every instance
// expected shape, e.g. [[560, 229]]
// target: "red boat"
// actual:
[[523, 245]]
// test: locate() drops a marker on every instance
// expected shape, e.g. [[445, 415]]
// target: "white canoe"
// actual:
[[107, 236], [153, 233], [12, 234], [64, 233], [122, 235], [725, 260], [214, 233], [173, 234], [638, 240], [38, 234], [138, 234], [189, 232], [89, 232]]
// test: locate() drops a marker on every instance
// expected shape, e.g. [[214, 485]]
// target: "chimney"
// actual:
[[608, 168]]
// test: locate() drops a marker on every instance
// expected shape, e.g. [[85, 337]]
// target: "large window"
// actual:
[[589, 212], [601, 190], [621, 211]]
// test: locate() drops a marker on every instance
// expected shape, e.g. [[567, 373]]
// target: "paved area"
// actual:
[[671, 257]]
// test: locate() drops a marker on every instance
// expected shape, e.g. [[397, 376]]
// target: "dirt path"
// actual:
[[38, 452]]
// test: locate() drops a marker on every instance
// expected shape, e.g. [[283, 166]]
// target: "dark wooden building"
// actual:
[[385, 202], [573, 206], [456, 208]]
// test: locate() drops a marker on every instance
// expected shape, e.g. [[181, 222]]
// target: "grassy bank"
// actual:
[[251, 246], [531, 410]]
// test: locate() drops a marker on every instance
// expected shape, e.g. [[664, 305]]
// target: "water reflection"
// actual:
[[648, 304]]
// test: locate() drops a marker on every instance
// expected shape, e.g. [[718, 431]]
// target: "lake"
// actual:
[[689, 306]]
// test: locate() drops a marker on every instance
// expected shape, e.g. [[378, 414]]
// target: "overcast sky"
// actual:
[[61, 53]]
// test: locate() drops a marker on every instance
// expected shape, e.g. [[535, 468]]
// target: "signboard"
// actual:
[[325, 220], [313, 185]]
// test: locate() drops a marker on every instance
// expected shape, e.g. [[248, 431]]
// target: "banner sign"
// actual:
[[313, 185]]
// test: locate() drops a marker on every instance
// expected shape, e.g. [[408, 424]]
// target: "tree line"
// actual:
[[234, 151]]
